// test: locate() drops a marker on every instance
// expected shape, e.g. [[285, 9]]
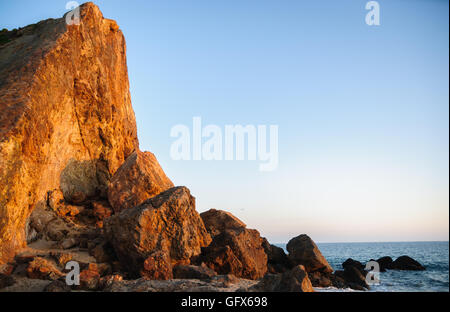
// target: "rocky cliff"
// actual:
[[75, 186], [66, 120]]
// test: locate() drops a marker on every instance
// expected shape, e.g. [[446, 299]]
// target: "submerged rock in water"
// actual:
[[384, 263], [406, 263]]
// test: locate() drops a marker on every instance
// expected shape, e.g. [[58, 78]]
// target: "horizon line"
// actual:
[[358, 242]]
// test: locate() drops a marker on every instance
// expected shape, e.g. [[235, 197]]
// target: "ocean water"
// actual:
[[433, 255]]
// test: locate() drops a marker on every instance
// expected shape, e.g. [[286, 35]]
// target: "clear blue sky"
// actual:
[[363, 112]]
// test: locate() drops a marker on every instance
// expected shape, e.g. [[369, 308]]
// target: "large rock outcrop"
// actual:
[[167, 222], [137, 180], [303, 250], [66, 120], [406, 263], [217, 221], [238, 252]]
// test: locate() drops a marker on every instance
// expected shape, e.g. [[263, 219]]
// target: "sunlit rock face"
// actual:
[[66, 120]]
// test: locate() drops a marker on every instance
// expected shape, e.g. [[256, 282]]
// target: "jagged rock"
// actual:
[[89, 278], [217, 221], [41, 268], [406, 263], [101, 210], [338, 280], [58, 204], [358, 265], [238, 252], [295, 280], [62, 258], [7, 268], [138, 179], [385, 263], [302, 250], [109, 280], [277, 260], [167, 222], [354, 278], [6, 280], [66, 120], [48, 225], [157, 266], [193, 272], [319, 279]]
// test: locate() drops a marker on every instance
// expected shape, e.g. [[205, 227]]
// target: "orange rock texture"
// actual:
[[137, 180], [66, 120]]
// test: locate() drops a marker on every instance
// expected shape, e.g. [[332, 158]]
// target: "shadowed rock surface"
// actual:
[[217, 221], [302, 250], [238, 252], [277, 260], [295, 280], [384, 263], [193, 272], [406, 263]]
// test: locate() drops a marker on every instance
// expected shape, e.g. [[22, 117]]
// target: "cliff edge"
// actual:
[[66, 120]]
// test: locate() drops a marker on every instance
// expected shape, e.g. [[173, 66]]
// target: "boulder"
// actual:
[[406, 263], [338, 280], [62, 258], [41, 268], [238, 252], [46, 224], [102, 252], [302, 250], [193, 272], [319, 279], [295, 280], [56, 201], [89, 278], [277, 260], [358, 265], [167, 222], [138, 179], [66, 120], [157, 266], [354, 278], [217, 221], [385, 263]]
